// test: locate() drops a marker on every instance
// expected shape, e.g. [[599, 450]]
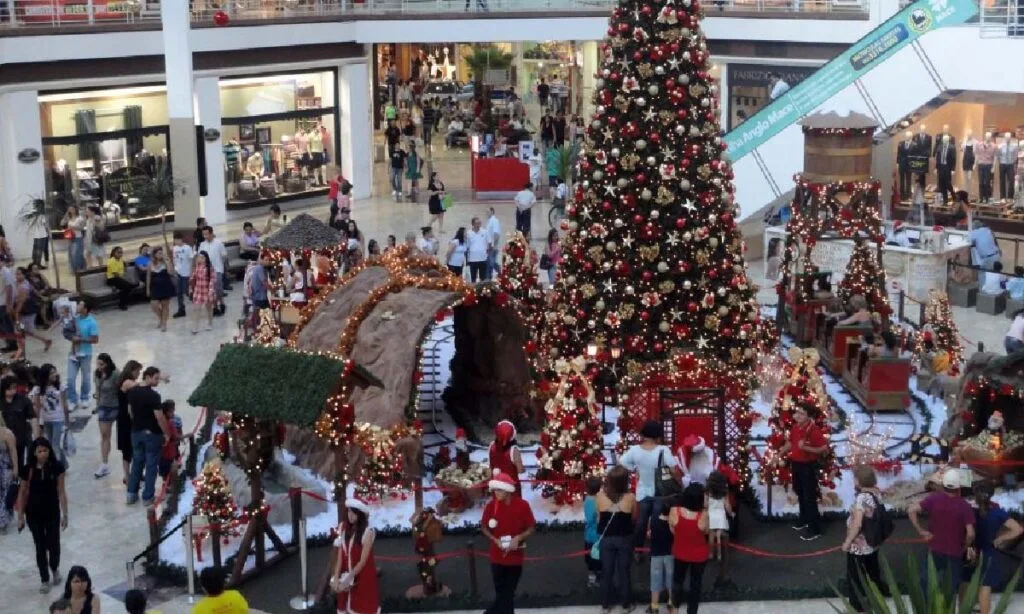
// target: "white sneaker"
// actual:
[[82, 405], [102, 472]]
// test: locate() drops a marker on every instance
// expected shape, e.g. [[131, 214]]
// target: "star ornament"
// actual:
[[702, 343], [673, 63], [689, 206]]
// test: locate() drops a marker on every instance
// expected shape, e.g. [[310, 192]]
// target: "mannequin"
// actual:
[[944, 133], [301, 141], [1006, 154], [967, 161], [904, 150], [922, 148], [254, 165], [232, 167], [447, 66], [945, 161], [986, 155], [316, 154]]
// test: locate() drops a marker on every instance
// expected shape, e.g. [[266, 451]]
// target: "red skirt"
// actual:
[[364, 596]]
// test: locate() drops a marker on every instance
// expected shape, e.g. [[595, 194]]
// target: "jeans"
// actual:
[[805, 485], [76, 254], [492, 264], [553, 274], [985, 182], [616, 560], [506, 579], [645, 509], [692, 597], [41, 250], [1013, 345], [45, 529], [1006, 181], [950, 571], [859, 567], [145, 453], [477, 270], [218, 286], [182, 292], [81, 364], [662, 568], [396, 180], [52, 431]]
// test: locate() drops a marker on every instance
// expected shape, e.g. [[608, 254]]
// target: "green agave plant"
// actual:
[[932, 599]]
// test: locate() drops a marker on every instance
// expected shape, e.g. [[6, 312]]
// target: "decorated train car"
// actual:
[[879, 383]]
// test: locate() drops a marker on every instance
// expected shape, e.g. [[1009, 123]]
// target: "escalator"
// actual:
[[886, 74]]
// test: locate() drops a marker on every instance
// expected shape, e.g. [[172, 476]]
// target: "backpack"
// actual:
[[879, 526]]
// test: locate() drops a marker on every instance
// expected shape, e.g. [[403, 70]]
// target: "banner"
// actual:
[[897, 32], [56, 11]]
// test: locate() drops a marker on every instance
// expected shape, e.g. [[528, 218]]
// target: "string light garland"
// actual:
[[839, 131], [939, 328], [865, 276], [213, 500]]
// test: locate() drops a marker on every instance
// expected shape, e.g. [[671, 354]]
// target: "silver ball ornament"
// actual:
[[664, 326], [663, 267], [651, 160], [616, 152], [622, 182], [641, 144], [645, 194], [680, 129], [684, 185], [653, 90]]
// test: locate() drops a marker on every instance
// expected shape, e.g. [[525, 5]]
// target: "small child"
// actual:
[[590, 535], [662, 563], [170, 456], [69, 329], [719, 511]]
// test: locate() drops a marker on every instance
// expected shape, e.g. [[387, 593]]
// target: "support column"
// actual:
[[724, 100], [208, 107], [23, 180], [356, 138], [181, 112]]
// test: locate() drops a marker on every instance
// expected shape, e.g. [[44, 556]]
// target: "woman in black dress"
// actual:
[[434, 205], [160, 287], [129, 375]]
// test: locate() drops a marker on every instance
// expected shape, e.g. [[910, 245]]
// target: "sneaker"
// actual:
[[592, 581], [147, 503], [178, 314], [132, 500], [810, 538], [102, 472], [800, 527], [56, 578], [44, 588]]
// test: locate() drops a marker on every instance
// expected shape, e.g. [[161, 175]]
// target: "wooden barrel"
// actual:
[[836, 158]]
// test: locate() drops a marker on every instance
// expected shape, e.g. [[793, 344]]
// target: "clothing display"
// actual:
[[968, 156], [903, 152], [945, 161]]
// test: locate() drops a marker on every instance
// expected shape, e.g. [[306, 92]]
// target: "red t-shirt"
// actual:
[[948, 518], [511, 518], [335, 185], [815, 439]]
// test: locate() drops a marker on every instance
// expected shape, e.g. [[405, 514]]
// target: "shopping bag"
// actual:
[[447, 202]]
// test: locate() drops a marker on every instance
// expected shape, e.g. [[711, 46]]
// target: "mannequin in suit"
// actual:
[[944, 133], [922, 147], [945, 161], [903, 152]]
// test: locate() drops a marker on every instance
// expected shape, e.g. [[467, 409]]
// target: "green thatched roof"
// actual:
[[269, 383]]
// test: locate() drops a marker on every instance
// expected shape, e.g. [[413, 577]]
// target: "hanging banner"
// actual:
[[897, 32]]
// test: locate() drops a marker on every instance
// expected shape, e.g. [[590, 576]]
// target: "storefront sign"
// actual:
[[211, 134], [897, 32], [28, 155], [55, 11]]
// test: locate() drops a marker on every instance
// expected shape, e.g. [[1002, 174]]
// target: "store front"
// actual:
[[280, 137], [750, 87]]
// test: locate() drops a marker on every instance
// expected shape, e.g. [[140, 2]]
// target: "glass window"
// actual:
[[253, 96]]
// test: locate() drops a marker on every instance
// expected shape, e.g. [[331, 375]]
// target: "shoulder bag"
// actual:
[[595, 550], [665, 484]]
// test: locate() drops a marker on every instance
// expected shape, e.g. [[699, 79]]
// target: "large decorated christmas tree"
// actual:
[[866, 277], [802, 388], [654, 259]]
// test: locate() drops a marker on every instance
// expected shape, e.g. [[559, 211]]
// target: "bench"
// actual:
[[991, 304], [91, 284], [1013, 305], [236, 265]]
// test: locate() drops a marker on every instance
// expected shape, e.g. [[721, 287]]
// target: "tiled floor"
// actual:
[[104, 533]]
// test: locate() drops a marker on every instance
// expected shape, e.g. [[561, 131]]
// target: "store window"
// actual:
[[751, 87], [280, 136], [107, 149]]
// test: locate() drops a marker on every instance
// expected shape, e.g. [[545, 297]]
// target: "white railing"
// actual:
[[1005, 18], [87, 14]]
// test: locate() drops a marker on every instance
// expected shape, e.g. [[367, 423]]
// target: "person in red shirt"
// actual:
[[507, 522], [504, 453], [805, 444]]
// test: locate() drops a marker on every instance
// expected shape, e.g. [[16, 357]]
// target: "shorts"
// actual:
[[661, 573], [96, 250], [28, 322], [163, 467], [305, 160], [991, 571], [316, 159], [107, 414]]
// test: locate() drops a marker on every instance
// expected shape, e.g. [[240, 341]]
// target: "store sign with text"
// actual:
[[897, 32], [56, 11]]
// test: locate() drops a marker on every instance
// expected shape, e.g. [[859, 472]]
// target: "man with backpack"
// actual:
[[867, 528]]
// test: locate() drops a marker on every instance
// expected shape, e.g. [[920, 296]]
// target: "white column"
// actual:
[[724, 100], [214, 204], [23, 181], [181, 111], [356, 138]]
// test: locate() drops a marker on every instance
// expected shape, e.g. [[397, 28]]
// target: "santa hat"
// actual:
[[504, 432], [460, 433], [356, 503], [897, 225], [694, 442], [502, 481]]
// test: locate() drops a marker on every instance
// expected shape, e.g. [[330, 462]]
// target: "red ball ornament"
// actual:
[[647, 276], [681, 113], [637, 56], [644, 315], [638, 219], [659, 347], [655, 138], [646, 9], [680, 223], [220, 18], [691, 307], [640, 178], [606, 207], [674, 47]]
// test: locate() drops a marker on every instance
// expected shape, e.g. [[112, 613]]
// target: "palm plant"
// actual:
[[158, 193], [482, 59], [934, 598]]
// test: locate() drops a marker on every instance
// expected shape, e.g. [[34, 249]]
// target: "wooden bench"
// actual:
[[831, 343], [91, 285], [879, 384], [235, 264]]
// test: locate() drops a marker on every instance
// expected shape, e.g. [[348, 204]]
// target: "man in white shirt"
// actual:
[[525, 200], [427, 243], [779, 87], [994, 279], [494, 236], [218, 254], [535, 162], [182, 254], [40, 242], [479, 243], [455, 129]]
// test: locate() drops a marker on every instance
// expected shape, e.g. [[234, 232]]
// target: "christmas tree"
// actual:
[[864, 276], [571, 441], [653, 256], [803, 388], [518, 279], [214, 501], [940, 329]]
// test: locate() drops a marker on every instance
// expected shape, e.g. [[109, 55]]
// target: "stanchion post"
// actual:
[[900, 309], [474, 588], [215, 536], [190, 567], [302, 600], [768, 497], [295, 495], [154, 535], [130, 574]]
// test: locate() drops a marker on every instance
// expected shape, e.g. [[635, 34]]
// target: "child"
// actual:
[[590, 535], [662, 563], [69, 329], [719, 511], [169, 454]]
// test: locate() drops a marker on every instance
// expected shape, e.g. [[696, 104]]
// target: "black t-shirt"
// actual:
[[392, 133], [398, 159], [661, 535], [543, 90], [143, 401], [17, 415], [559, 126], [42, 488]]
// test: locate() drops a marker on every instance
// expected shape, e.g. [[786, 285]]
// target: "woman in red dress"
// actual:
[[355, 573], [504, 455]]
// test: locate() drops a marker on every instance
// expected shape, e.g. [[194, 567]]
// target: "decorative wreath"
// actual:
[[920, 442]]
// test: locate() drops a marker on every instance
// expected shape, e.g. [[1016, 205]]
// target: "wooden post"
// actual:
[[295, 495], [259, 520], [474, 587]]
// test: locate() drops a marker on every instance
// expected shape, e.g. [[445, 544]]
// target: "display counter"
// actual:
[[1000, 218], [498, 178], [913, 270]]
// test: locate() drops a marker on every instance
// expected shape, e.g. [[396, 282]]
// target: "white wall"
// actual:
[[355, 137], [19, 130]]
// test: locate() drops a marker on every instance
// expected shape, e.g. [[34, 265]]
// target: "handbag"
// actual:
[[665, 484], [69, 234], [100, 235], [545, 262], [447, 202], [595, 550], [67, 443]]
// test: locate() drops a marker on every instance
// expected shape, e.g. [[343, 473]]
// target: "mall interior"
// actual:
[[157, 114]]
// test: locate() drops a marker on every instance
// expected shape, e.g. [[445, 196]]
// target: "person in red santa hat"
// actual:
[[507, 522], [696, 460], [504, 453], [355, 573]]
